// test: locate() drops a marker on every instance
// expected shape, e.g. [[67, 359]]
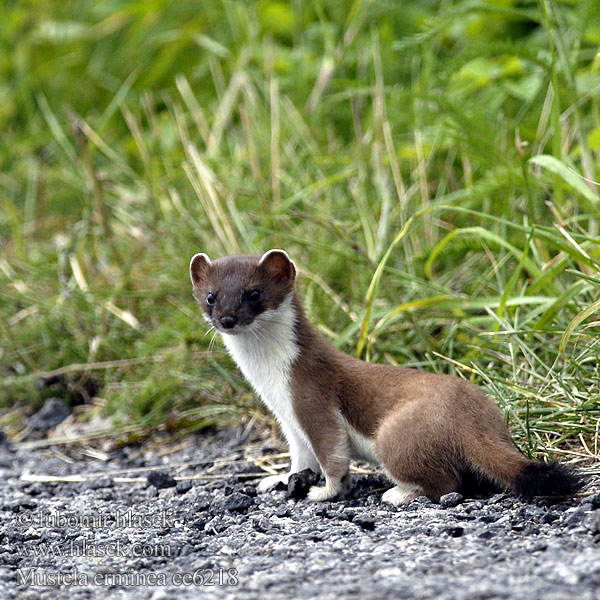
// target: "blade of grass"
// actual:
[[582, 316], [481, 233]]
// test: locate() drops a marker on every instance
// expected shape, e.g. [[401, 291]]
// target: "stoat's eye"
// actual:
[[211, 299], [254, 295]]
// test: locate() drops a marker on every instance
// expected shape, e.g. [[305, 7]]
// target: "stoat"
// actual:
[[429, 432]]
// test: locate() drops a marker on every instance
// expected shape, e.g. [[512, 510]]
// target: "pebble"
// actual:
[[364, 522], [300, 483], [238, 502], [161, 479], [53, 413], [592, 522], [451, 500], [183, 486], [593, 501], [97, 483]]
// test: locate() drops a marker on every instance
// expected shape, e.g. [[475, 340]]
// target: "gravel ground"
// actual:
[[200, 530]]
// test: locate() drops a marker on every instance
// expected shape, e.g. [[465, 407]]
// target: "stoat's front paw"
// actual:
[[271, 481], [320, 493]]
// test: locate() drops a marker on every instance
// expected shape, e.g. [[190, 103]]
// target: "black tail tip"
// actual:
[[547, 479]]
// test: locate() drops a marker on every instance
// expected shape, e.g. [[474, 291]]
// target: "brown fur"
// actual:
[[428, 430]]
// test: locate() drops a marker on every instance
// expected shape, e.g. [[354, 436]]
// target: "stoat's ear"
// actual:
[[278, 264], [200, 265]]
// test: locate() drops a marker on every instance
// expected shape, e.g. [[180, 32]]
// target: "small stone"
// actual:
[[238, 502], [489, 517], [422, 500], [33, 490], [262, 524], [202, 505], [41, 383], [249, 490], [282, 511], [549, 517], [451, 500], [279, 487], [575, 518], [50, 415], [53, 466], [496, 498], [160, 480], [454, 531], [184, 486], [216, 525], [99, 483], [418, 502], [25, 504], [592, 501], [592, 523], [364, 522], [300, 483], [200, 522], [336, 514]]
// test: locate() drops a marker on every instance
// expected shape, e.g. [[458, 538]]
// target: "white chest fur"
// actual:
[[265, 353]]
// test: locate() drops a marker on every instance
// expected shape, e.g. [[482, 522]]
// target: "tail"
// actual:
[[488, 448], [546, 479], [502, 463]]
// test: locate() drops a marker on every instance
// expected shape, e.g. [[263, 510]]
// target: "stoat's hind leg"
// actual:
[[415, 457], [402, 493]]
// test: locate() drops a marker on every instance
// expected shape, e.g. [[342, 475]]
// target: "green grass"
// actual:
[[428, 165]]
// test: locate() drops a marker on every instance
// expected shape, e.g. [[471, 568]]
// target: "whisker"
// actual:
[[212, 341], [210, 330]]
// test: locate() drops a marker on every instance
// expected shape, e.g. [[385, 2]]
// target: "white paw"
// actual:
[[271, 481], [402, 494], [320, 493]]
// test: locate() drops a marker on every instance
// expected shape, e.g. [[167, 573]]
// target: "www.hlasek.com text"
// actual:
[[93, 549]]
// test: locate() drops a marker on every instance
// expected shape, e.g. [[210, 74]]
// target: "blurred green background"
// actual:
[[429, 165]]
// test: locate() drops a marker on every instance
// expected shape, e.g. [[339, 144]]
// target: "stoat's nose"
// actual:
[[228, 322]]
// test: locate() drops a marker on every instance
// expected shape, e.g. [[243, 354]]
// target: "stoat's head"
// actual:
[[235, 291]]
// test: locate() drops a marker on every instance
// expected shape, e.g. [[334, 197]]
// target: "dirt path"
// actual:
[[108, 533]]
